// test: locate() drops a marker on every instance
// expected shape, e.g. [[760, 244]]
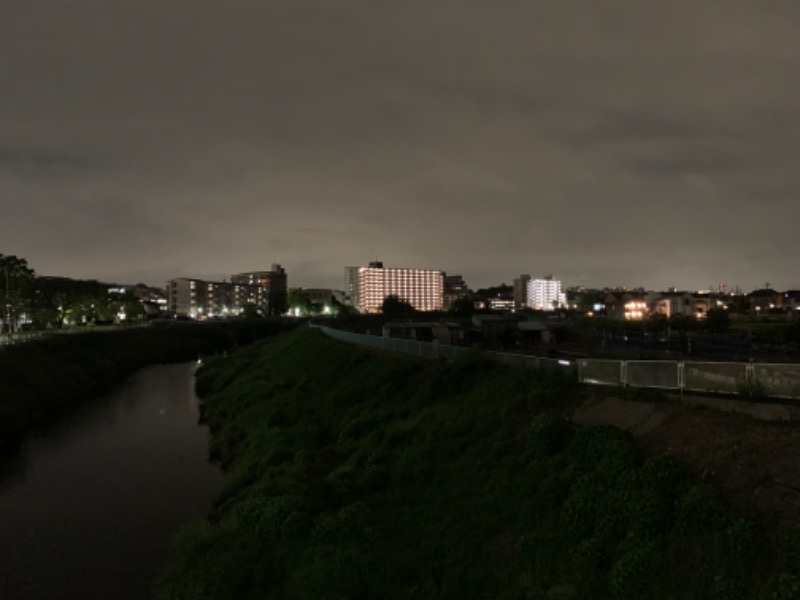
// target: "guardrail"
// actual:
[[770, 379], [434, 350], [29, 336]]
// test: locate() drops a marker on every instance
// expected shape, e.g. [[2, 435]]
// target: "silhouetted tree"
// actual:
[[462, 307], [496, 291], [395, 307], [15, 279], [278, 304], [717, 320], [251, 311], [298, 299], [57, 301], [657, 324]]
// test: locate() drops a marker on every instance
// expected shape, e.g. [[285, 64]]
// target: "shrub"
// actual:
[[663, 475], [699, 510], [588, 445], [547, 436], [632, 574], [266, 516], [781, 586], [788, 548]]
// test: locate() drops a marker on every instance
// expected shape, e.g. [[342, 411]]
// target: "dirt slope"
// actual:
[[755, 458]]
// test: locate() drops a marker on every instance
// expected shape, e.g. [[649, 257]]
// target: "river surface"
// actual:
[[88, 506]]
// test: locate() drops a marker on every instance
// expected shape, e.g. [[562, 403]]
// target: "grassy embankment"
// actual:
[[358, 474], [43, 377]]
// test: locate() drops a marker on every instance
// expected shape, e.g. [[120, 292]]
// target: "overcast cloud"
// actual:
[[607, 142]]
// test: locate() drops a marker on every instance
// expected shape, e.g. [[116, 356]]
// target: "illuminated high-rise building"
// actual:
[[545, 294], [421, 288]]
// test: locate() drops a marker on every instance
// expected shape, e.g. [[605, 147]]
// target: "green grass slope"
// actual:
[[355, 474]]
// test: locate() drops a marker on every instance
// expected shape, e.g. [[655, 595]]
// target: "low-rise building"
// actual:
[[628, 306], [672, 304], [502, 304]]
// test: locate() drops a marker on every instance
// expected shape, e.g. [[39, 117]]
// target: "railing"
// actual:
[[29, 336], [435, 350], [775, 380]]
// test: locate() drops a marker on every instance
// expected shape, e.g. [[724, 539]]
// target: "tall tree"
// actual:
[[15, 281], [59, 301], [299, 304]]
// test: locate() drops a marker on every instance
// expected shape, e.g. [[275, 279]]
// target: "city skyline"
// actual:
[[509, 280], [612, 144]]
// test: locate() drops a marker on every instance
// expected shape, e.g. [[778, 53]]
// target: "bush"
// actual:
[[663, 475], [547, 436], [588, 445], [632, 575], [387, 479], [699, 510], [781, 586]]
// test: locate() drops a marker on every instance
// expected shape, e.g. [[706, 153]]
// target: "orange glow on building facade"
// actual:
[[421, 288]]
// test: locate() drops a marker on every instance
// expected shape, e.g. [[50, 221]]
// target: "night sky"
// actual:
[[619, 142]]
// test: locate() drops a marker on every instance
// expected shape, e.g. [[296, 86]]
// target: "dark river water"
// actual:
[[89, 505]]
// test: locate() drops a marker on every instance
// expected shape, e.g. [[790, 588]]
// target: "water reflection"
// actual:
[[88, 505]]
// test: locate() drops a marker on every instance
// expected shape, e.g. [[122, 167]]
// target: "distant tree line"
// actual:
[[36, 302]]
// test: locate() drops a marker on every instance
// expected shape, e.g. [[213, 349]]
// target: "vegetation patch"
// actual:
[[361, 474]]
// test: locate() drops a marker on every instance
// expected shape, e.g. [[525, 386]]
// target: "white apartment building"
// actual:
[[421, 288], [545, 294]]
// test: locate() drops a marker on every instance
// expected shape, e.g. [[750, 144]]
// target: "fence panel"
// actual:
[[448, 352], [778, 380], [512, 360], [653, 373], [531, 362], [556, 364], [726, 378], [600, 372]]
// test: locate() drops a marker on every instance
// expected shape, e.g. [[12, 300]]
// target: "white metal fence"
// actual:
[[29, 336], [435, 350], [776, 380]]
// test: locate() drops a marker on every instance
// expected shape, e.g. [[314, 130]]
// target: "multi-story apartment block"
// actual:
[[187, 297], [521, 291], [545, 294], [198, 299], [267, 290], [351, 285], [455, 288], [422, 288]]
